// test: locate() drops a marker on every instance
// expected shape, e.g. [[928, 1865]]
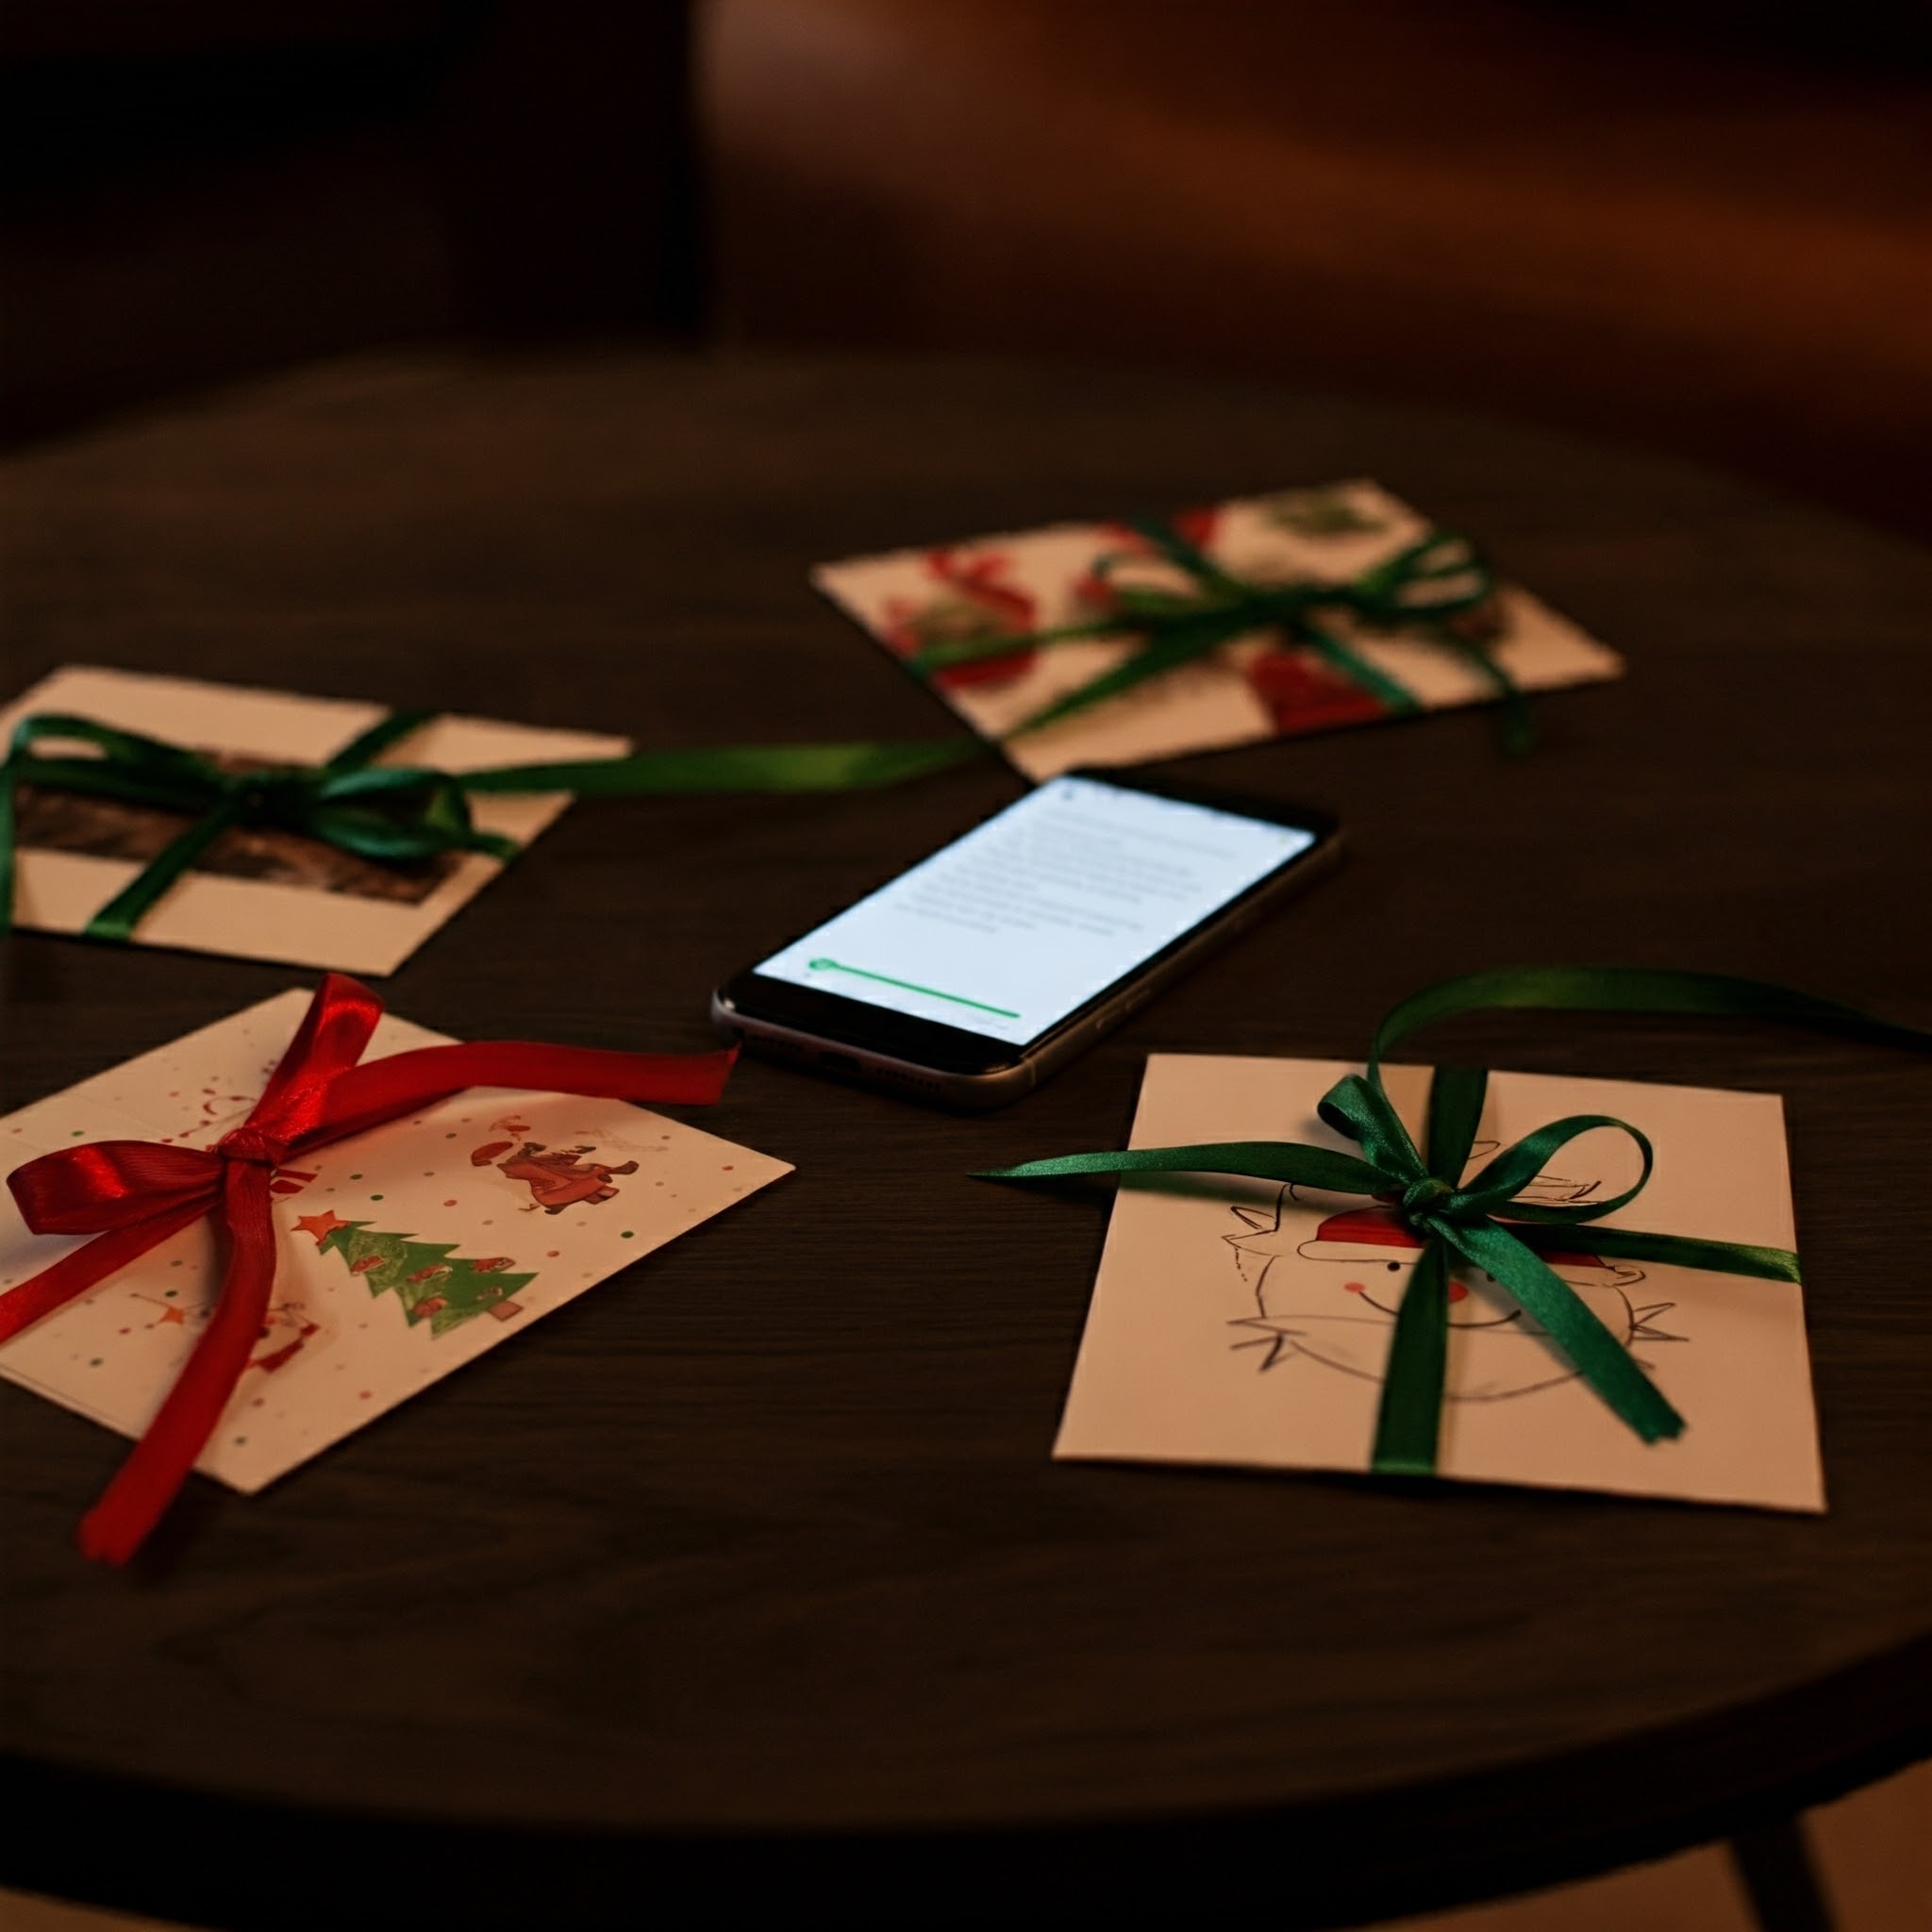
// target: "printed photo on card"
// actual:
[[402, 1252], [260, 893], [1248, 1322], [1249, 687]]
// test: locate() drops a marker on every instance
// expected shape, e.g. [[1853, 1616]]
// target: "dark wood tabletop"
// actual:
[[749, 1569]]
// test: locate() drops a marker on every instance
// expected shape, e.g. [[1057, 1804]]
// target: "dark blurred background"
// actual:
[[1702, 227]]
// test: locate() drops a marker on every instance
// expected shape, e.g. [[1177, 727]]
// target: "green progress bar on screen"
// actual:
[[909, 985]]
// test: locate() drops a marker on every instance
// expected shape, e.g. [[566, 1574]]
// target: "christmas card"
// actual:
[[403, 1252], [1370, 660], [1248, 1322], [261, 893]]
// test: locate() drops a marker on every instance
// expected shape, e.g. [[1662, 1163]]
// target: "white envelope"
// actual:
[[1246, 689], [402, 1252], [353, 916], [1248, 1322]]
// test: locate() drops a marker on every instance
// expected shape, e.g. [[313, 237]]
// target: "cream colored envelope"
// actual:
[[1250, 688], [1247, 1322], [305, 904], [403, 1253]]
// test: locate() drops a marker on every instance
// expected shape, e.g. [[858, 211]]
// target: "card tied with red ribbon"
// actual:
[[132, 1195]]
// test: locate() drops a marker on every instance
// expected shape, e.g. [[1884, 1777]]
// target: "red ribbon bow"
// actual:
[[131, 1195]]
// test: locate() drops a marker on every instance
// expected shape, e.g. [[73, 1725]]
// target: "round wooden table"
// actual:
[[746, 1579]]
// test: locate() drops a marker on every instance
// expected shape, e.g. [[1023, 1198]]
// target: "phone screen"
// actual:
[[1008, 930]]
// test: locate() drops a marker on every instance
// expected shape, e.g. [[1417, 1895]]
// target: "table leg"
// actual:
[[1780, 1878]]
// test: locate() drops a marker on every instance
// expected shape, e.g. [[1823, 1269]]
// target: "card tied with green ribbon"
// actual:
[[1440, 588], [1484, 1221], [389, 813]]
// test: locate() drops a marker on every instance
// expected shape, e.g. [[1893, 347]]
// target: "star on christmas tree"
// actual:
[[321, 1226], [432, 1282]]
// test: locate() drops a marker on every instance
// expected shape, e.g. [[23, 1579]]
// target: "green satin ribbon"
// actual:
[[392, 813], [1420, 589], [1485, 1220]]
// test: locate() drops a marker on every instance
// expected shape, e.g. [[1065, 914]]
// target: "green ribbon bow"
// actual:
[[1484, 1221], [1420, 589], [392, 813]]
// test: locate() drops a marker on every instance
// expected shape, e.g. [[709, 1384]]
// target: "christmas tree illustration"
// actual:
[[1324, 511], [433, 1283]]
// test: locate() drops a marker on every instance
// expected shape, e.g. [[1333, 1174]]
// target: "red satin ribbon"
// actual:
[[131, 1195]]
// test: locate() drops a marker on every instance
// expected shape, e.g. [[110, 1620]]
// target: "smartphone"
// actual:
[[987, 967]]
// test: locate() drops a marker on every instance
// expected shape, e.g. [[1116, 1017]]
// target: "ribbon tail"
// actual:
[[366, 746], [1596, 1355], [152, 1476], [1636, 990], [1178, 646], [118, 918], [922, 663], [1272, 1161], [378, 1090], [1395, 697], [1456, 1110], [1519, 726], [53, 1286], [1677, 1251], [732, 768], [1409, 1419]]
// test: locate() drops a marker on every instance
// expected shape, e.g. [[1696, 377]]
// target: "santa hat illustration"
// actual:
[[1380, 1236], [978, 602], [981, 575], [1197, 525], [1373, 1242]]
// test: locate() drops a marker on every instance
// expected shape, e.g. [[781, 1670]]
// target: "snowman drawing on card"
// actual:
[[1328, 1287]]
